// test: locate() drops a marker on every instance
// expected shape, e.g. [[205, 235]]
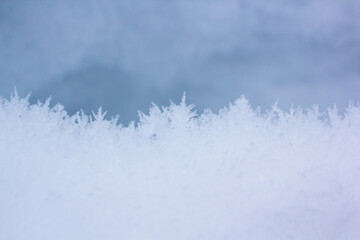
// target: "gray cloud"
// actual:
[[124, 54]]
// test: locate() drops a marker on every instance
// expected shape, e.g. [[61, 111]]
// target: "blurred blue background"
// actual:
[[122, 55]]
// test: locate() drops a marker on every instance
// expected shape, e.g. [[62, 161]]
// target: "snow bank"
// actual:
[[239, 174]]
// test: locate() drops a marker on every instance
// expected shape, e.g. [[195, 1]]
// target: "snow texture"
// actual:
[[240, 174]]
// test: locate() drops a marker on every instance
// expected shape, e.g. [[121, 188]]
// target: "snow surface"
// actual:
[[240, 174]]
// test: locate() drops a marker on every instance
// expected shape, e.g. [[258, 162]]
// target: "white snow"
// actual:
[[240, 174]]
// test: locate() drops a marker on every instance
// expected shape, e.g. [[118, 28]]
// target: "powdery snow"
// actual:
[[240, 174]]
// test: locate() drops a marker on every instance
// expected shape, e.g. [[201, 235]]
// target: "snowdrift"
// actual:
[[239, 174]]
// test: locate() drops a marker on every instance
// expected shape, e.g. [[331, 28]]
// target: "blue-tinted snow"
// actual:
[[237, 174]]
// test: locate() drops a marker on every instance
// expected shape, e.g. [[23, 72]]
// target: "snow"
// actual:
[[243, 173]]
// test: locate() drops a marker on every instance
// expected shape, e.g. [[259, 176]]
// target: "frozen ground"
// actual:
[[239, 174]]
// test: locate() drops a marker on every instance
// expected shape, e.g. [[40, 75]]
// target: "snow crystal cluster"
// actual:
[[240, 174]]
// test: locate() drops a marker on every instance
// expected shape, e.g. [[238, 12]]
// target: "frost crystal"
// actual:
[[176, 174]]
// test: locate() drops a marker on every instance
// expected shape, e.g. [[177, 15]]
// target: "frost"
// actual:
[[177, 174]]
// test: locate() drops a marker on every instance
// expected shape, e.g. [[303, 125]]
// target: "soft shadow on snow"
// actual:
[[176, 174]]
